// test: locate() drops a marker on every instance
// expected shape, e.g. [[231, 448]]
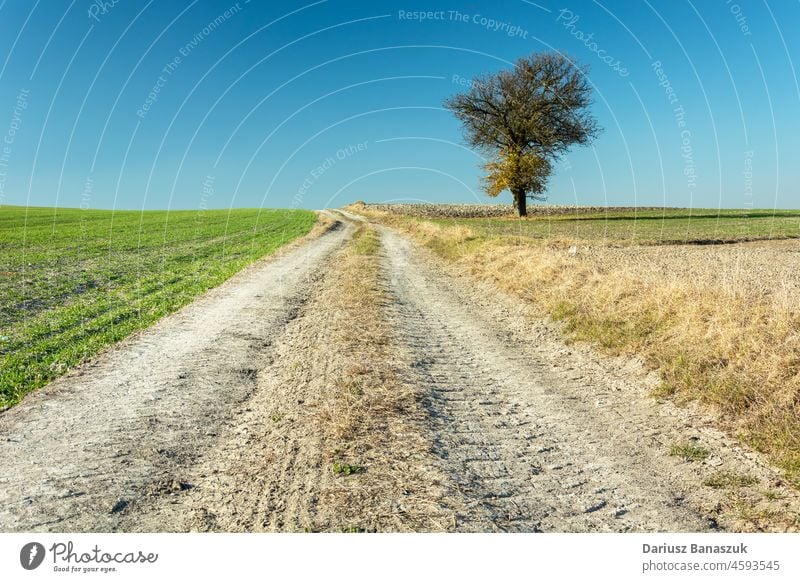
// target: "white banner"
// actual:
[[410, 557]]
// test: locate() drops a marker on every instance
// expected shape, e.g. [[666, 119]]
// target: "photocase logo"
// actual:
[[32, 555]]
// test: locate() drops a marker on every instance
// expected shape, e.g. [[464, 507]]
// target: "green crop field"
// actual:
[[74, 281], [644, 226]]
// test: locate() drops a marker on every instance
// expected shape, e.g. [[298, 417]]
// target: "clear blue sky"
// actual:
[[139, 104]]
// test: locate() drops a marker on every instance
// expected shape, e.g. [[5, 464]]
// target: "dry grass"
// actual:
[[735, 352], [373, 435]]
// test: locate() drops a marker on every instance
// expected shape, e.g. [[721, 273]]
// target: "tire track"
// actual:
[[330, 398], [524, 452]]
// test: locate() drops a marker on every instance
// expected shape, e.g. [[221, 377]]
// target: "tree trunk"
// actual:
[[520, 202]]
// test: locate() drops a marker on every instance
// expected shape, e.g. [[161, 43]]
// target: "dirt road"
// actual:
[[526, 445], [529, 455], [80, 454], [219, 418]]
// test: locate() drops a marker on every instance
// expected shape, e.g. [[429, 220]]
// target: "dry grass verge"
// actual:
[[735, 352], [374, 441]]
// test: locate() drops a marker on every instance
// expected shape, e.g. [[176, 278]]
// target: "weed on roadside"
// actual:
[[689, 452], [346, 469], [729, 480]]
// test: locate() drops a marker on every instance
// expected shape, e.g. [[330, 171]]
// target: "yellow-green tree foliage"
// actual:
[[514, 171]]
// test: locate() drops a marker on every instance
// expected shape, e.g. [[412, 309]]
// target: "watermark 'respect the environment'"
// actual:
[[169, 69]]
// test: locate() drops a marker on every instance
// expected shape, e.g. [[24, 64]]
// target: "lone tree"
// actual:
[[525, 119]]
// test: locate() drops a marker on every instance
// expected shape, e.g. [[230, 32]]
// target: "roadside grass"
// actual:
[[689, 452], [734, 352], [773, 495], [372, 424], [729, 480], [73, 281], [744, 508]]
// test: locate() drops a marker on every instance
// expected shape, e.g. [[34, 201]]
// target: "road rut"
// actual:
[[525, 453]]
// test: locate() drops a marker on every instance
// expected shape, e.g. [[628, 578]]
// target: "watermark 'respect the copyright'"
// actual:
[[490, 24]]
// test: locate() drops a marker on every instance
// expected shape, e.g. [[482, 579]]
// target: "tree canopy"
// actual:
[[525, 118]]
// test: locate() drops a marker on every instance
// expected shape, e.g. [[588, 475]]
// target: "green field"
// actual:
[[644, 226], [74, 281]]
